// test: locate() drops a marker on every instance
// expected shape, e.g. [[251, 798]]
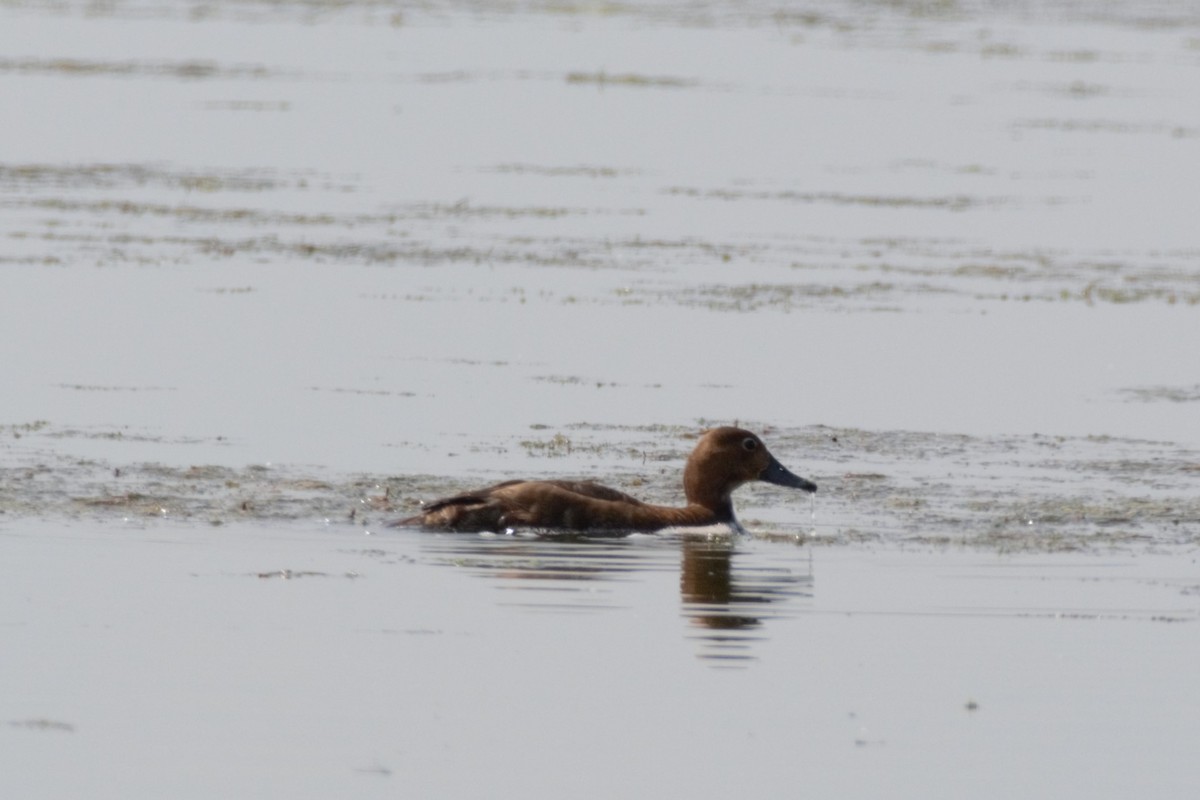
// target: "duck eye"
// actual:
[[749, 444]]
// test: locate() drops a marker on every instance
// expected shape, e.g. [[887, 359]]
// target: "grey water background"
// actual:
[[273, 273]]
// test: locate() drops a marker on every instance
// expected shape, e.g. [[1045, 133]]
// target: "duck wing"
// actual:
[[593, 490], [475, 510], [542, 504]]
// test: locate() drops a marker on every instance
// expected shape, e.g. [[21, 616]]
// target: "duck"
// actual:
[[724, 459]]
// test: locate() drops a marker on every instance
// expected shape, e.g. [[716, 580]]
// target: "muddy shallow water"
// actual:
[[275, 273]]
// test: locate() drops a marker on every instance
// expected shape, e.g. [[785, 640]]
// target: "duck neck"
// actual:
[[698, 514], [709, 490]]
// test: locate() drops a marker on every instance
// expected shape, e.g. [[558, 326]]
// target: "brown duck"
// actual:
[[724, 459]]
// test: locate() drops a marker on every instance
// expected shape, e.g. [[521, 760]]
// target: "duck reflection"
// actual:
[[706, 584], [727, 592], [725, 605]]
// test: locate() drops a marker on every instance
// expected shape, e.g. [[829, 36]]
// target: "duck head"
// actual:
[[726, 458]]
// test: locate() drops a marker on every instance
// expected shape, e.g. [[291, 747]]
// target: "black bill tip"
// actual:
[[780, 475]]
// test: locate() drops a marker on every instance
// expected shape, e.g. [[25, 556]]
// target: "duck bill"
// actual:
[[779, 475]]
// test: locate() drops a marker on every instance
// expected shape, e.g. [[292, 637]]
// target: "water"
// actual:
[[312, 660], [275, 273]]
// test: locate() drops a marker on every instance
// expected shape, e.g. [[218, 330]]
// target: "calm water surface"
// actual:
[[274, 273], [250, 660]]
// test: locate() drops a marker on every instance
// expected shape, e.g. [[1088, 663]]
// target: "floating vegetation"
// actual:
[[363, 392], [187, 70], [604, 79], [112, 221], [293, 574], [853, 20], [948, 203], [865, 274], [114, 176], [464, 208], [579, 171], [1009, 493], [554, 446], [1177, 131], [81, 387], [24, 428], [229, 290], [574, 380], [1157, 394], [42, 725], [754, 296], [186, 213]]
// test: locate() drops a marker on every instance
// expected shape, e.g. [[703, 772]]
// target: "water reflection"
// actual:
[[727, 604], [558, 574], [728, 592]]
